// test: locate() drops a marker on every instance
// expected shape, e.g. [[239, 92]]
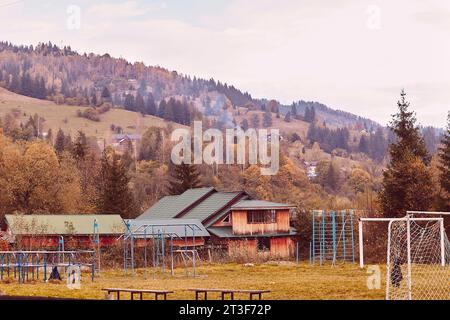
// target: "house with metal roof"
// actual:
[[47, 231], [231, 219]]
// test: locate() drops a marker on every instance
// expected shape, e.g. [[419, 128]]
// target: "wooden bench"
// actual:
[[229, 292], [141, 292]]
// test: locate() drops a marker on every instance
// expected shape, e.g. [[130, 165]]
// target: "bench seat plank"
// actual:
[[136, 290]]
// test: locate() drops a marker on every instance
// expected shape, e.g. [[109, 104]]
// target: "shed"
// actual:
[[47, 230]]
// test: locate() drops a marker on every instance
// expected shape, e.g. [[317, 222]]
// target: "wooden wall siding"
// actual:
[[280, 247], [70, 242], [190, 243], [242, 248], [240, 225]]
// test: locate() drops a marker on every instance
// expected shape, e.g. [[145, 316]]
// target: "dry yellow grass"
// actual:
[[295, 126], [64, 116], [286, 281]]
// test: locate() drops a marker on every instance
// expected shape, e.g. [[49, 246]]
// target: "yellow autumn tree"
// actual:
[[34, 181]]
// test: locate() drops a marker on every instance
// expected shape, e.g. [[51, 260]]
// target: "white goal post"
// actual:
[[417, 265], [361, 236]]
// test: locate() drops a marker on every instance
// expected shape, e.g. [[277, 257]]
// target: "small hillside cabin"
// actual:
[[53, 232], [231, 220]]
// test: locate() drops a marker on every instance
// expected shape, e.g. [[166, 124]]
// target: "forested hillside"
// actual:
[[67, 104], [65, 76]]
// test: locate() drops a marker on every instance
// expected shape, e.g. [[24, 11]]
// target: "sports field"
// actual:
[[285, 280]]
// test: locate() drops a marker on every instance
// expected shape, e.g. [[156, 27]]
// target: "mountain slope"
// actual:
[[61, 74], [65, 117]]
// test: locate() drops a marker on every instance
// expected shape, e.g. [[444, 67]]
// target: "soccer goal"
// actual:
[[418, 259]]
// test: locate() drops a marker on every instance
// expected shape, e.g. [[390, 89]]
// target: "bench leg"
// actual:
[[260, 296], [156, 296], [165, 296], [118, 295], [206, 295], [232, 295], [141, 296], [223, 295], [196, 295], [132, 295]]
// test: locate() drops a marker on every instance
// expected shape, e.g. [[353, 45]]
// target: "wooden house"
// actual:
[[232, 220]]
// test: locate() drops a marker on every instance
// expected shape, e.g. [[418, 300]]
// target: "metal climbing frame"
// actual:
[[161, 247], [332, 236], [28, 265], [97, 246]]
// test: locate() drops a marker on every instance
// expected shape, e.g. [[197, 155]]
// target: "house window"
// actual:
[[263, 244], [226, 219], [261, 216]]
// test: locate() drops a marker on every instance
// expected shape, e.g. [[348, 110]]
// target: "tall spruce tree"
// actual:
[[150, 106], [267, 118], [183, 177], [294, 111], [80, 147], [113, 192], [129, 102], [287, 118], [444, 167], [162, 108], [407, 181], [139, 104], [60, 142], [363, 145], [106, 95]]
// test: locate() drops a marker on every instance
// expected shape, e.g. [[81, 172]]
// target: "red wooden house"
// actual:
[[232, 219]]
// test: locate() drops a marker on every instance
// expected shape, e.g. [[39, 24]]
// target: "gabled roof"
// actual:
[[167, 227], [259, 204], [78, 224], [215, 204], [205, 204], [173, 206]]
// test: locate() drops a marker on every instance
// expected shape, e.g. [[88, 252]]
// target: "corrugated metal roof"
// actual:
[[171, 206], [260, 204], [176, 227], [81, 224], [227, 232], [210, 205]]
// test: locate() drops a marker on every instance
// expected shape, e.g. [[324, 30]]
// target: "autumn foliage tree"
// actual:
[[34, 180]]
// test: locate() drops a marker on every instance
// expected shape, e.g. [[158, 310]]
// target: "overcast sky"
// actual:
[[354, 55]]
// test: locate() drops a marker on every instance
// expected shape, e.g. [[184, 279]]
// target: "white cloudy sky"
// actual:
[[354, 55]]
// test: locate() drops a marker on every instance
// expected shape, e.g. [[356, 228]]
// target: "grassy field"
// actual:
[[65, 117], [285, 280]]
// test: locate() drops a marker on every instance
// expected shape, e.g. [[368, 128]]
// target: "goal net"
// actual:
[[418, 260]]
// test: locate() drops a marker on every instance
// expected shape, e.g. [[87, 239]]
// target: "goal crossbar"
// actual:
[[429, 212]]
